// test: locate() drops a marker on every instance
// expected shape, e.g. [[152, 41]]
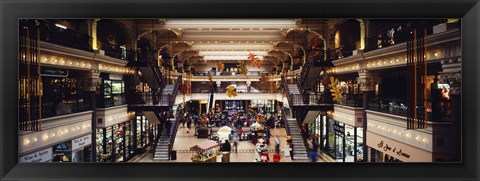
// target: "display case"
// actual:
[[107, 89], [139, 132], [113, 92], [100, 144], [118, 140], [109, 142], [205, 152]]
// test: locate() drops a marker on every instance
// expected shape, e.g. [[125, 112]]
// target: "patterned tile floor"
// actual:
[[246, 150]]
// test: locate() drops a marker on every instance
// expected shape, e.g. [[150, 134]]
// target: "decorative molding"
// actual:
[[32, 141], [348, 115], [394, 127], [113, 115]]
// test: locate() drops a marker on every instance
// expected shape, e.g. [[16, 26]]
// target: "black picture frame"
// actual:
[[11, 11]]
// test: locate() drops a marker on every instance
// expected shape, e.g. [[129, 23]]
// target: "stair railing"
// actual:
[[174, 132]]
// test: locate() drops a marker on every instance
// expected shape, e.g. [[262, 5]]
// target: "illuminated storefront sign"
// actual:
[[386, 148], [39, 156]]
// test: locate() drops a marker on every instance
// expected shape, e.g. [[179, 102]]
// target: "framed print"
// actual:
[[257, 90]]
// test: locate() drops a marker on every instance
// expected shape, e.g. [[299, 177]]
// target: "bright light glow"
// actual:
[[236, 53], [230, 23], [232, 46], [224, 57], [61, 26]]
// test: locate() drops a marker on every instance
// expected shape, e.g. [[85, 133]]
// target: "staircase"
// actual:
[[312, 69], [162, 149], [310, 77], [299, 149], [293, 93]]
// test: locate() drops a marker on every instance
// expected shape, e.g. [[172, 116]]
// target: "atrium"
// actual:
[[239, 90]]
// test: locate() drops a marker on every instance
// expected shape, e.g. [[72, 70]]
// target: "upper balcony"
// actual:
[[62, 47], [65, 37], [390, 53]]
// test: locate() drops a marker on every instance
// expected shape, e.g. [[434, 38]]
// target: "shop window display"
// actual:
[[63, 96], [62, 152], [113, 93], [100, 144]]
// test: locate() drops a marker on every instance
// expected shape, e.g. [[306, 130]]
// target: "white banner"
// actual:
[[81, 142], [39, 156]]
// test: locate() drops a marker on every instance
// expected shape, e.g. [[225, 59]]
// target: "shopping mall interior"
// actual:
[[239, 90]]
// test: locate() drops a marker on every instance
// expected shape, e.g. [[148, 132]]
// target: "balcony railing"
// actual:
[[65, 37], [112, 50], [388, 105], [115, 101], [242, 90], [67, 106], [225, 73], [353, 100]]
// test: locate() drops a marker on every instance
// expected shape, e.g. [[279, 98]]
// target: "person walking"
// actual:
[[277, 145], [168, 125], [189, 123], [235, 139], [312, 154], [226, 146]]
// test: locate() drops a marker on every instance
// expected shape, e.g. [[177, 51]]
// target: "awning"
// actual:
[[311, 116], [204, 146], [225, 129]]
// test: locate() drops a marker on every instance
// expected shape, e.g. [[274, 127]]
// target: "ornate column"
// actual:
[[363, 32], [93, 32], [92, 89], [451, 74], [367, 81]]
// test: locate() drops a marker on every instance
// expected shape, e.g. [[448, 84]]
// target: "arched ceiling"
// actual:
[[229, 39]]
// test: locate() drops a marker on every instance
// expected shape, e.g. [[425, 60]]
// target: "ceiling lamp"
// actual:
[[234, 46], [233, 53], [226, 57], [230, 23]]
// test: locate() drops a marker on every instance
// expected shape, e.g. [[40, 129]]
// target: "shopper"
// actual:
[[277, 145], [312, 154], [240, 133], [226, 146], [189, 123], [235, 141], [168, 125]]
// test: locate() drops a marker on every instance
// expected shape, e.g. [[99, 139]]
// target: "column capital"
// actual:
[[92, 80], [368, 79]]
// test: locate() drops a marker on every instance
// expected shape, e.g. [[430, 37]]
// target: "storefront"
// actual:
[[114, 140], [263, 105], [115, 143], [82, 149], [66, 139], [384, 149], [144, 132], [343, 142], [63, 92], [76, 150], [44, 155], [112, 91]]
